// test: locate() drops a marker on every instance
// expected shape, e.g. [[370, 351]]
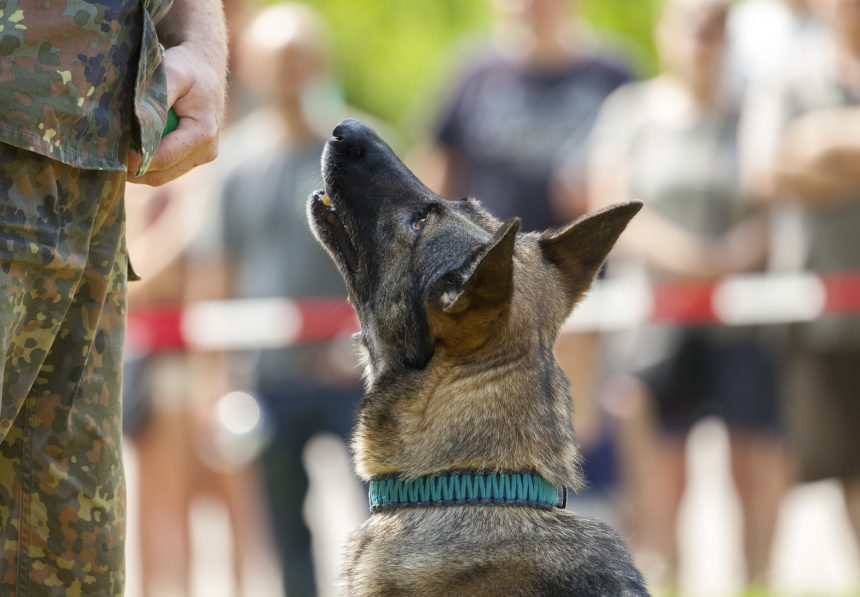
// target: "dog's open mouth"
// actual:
[[325, 212]]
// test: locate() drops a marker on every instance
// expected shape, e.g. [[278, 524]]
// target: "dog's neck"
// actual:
[[504, 411]]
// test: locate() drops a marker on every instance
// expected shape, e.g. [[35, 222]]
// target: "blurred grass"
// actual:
[[761, 592], [393, 54]]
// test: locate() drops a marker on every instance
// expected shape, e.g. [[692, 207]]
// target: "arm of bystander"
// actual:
[[818, 161]]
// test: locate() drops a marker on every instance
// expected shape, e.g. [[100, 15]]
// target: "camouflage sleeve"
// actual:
[[78, 79]]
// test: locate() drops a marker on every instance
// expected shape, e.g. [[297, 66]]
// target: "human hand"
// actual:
[[811, 137], [195, 90], [817, 163]]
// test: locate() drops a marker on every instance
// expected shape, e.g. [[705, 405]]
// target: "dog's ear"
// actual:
[[490, 282], [468, 300], [579, 249]]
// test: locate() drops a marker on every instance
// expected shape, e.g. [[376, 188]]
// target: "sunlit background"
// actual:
[[715, 367]]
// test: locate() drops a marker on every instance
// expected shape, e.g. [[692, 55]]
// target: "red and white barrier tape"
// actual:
[[611, 305], [240, 324]]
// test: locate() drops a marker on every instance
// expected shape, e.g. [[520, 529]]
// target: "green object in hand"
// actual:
[[171, 123]]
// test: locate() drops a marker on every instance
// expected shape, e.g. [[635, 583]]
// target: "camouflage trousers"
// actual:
[[63, 275]]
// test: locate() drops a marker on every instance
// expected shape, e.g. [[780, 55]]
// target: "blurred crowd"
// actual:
[[744, 148]]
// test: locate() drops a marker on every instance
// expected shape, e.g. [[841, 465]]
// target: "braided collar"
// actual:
[[474, 488]]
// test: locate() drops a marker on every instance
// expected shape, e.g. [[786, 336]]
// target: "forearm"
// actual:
[[200, 22], [744, 247], [820, 159], [829, 178], [842, 163], [665, 247]]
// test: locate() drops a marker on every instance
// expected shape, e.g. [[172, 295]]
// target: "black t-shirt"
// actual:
[[512, 127]]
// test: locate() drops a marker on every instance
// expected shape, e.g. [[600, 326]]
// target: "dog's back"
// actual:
[[488, 551]]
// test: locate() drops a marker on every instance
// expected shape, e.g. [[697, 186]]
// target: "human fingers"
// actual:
[[160, 177]]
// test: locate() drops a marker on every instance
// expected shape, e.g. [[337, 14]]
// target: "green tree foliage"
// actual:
[[394, 54]]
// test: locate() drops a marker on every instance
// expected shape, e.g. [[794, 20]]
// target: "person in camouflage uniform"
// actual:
[[78, 81]]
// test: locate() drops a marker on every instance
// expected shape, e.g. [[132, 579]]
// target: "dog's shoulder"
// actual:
[[501, 551], [592, 558]]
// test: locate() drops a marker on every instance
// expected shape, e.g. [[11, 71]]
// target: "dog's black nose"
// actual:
[[349, 130], [351, 137]]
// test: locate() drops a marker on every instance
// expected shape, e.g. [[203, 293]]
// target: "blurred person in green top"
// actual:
[[78, 81]]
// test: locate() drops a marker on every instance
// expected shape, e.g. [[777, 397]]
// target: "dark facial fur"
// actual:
[[459, 315]]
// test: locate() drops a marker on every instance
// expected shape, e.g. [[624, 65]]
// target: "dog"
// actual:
[[464, 431]]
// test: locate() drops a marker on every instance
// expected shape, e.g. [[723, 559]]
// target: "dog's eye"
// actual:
[[420, 219], [418, 223]]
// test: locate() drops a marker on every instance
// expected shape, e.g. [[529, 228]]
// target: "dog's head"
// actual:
[[424, 272], [459, 314]]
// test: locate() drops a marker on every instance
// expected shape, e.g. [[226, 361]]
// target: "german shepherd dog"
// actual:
[[464, 432]]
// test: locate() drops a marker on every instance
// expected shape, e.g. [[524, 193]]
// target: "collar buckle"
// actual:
[[562, 502]]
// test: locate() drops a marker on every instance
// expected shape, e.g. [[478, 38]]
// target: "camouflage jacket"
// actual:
[[78, 78]]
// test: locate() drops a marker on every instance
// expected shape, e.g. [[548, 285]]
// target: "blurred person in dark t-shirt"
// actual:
[[672, 142], [513, 133], [523, 110], [807, 158]]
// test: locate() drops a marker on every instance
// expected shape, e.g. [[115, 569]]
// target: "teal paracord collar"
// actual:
[[460, 488]]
